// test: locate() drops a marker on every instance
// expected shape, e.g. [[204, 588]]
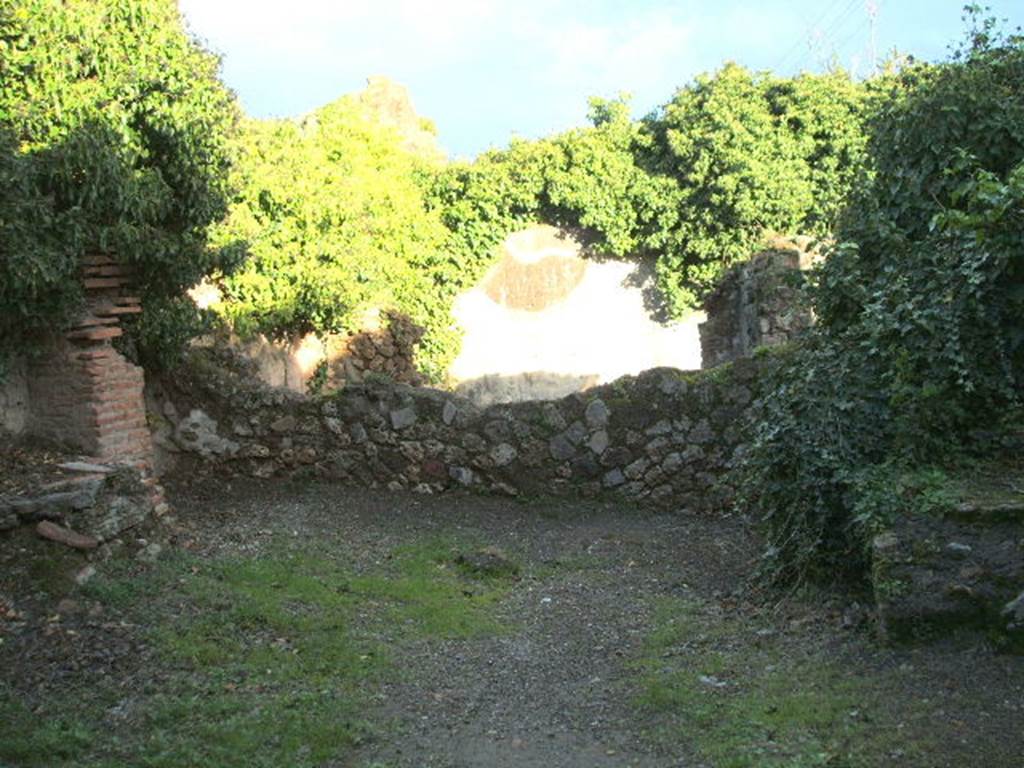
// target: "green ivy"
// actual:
[[921, 308], [114, 133]]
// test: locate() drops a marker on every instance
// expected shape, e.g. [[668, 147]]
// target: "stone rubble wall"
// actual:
[[756, 304], [664, 437], [389, 350], [386, 346]]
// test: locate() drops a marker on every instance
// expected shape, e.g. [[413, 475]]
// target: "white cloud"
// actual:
[[620, 57], [305, 27]]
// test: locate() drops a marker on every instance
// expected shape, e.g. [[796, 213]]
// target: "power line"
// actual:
[[804, 37], [827, 36], [841, 20], [864, 26]]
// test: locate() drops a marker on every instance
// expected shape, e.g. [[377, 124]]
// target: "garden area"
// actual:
[[812, 555]]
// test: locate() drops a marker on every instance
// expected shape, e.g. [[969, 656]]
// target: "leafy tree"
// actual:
[[752, 155], [114, 133], [336, 224]]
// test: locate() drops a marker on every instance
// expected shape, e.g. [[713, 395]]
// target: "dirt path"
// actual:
[[553, 689], [627, 639]]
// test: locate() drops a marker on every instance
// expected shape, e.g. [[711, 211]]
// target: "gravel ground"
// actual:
[[558, 688], [550, 692]]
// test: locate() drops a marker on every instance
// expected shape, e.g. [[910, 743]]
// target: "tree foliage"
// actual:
[[113, 138], [921, 308], [337, 224], [340, 217], [751, 155], [693, 187]]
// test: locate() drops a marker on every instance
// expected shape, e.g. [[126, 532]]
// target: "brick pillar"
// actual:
[[83, 393]]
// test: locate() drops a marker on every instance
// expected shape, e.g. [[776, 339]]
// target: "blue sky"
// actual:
[[485, 70]]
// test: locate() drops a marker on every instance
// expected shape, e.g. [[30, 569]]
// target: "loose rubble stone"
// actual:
[[672, 462], [284, 424], [637, 468], [462, 475], [596, 414], [87, 468], [561, 448], [662, 427], [498, 431], [503, 454], [1013, 612], [358, 432], [576, 433], [598, 442], [61, 535], [448, 412], [586, 466], [114, 515], [613, 479], [403, 418], [702, 433], [504, 489]]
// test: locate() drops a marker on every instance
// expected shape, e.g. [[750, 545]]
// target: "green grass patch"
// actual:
[[749, 700], [26, 742], [267, 660]]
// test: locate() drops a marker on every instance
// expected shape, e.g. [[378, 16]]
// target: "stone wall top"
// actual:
[[665, 437]]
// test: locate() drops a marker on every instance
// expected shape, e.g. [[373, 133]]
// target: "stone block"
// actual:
[[596, 414], [403, 418], [561, 448]]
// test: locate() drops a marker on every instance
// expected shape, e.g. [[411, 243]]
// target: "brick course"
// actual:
[[83, 393]]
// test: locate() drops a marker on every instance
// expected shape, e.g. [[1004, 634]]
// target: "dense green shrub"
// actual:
[[113, 138], [587, 179], [337, 225], [921, 339], [752, 155], [341, 218], [694, 187]]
